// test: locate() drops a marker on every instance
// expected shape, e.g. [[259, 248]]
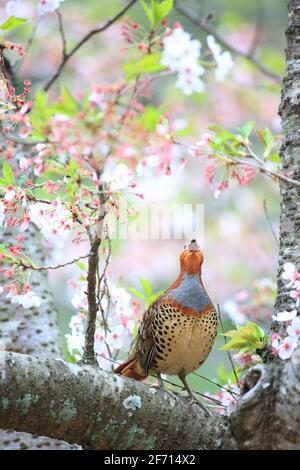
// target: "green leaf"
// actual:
[[274, 157], [67, 104], [164, 8], [8, 173], [11, 23], [147, 287], [3, 182], [137, 293], [246, 129], [151, 118], [148, 12], [147, 65], [40, 113]]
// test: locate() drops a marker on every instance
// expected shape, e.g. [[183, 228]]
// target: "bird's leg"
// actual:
[[161, 385], [181, 375]]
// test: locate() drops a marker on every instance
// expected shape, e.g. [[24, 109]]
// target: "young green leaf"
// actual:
[[11, 23], [137, 293], [147, 287], [8, 173], [147, 65]]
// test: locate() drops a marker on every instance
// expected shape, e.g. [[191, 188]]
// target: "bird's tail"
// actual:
[[130, 369]]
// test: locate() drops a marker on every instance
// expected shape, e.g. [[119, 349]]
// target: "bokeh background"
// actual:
[[239, 247]]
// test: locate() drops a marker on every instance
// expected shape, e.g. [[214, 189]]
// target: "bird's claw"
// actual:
[[195, 401]]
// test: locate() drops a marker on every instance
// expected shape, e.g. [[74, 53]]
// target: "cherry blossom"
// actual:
[[10, 193], [290, 273], [54, 220], [295, 294], [181, 54], [246, 359], [24, 163], [223, 59], [287, 347], [27, 300], [294, 328], [46, 6], [285, 316], [119, 177]]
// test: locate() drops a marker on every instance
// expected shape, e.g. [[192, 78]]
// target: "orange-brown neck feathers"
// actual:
[[191, 262]]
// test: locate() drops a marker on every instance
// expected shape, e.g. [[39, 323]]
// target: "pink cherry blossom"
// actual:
[[290, 273], [27, 300], [246, 359], [10, 193], [294, 328], [275, 338], [287, 347], [24, 163]]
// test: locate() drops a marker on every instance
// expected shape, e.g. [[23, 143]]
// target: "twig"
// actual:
[[228, 353], [211, 30], [237, 161], [269, 221], [24, 265], [218, 385], [90, 34], [62, 34]]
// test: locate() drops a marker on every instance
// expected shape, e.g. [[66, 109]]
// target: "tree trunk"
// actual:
[[30, 331]]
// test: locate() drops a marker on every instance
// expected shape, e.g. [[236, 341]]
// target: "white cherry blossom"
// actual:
[[27, 300], [285, 316], [46, 6]]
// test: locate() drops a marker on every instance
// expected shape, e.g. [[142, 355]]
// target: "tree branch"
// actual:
[[91, 33], [92, 407], [194, 18]]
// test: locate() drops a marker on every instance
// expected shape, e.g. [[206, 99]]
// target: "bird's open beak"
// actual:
[[193, 245]]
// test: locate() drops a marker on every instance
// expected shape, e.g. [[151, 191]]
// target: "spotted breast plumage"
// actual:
[[179, 328]]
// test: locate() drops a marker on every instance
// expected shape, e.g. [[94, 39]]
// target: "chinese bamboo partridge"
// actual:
[[179, 328]]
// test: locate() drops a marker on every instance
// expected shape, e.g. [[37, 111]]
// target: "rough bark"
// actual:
[[30, 331], [268, 415], [85, 405], [290, 155]]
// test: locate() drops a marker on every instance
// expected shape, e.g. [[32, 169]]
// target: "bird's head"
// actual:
[[191, 258]]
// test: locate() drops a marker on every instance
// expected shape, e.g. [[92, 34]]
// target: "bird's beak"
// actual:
[[193, 245]]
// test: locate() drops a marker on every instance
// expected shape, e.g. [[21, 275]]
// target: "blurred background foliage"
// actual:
[[239, 247]]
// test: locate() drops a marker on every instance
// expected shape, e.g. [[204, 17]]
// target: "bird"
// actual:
[[178, 330]]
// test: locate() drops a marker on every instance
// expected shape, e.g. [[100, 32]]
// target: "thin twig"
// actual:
[[269, 221], [62, 34], [225, 340], [216, 383], [33, 267], [88, 36], [194, 18]]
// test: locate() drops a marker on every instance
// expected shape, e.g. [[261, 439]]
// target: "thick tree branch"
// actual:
[[209, 29], [66, 56], [101, 410]]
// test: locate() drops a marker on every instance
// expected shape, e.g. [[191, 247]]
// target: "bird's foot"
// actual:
[[196, 401], [160, 386]]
